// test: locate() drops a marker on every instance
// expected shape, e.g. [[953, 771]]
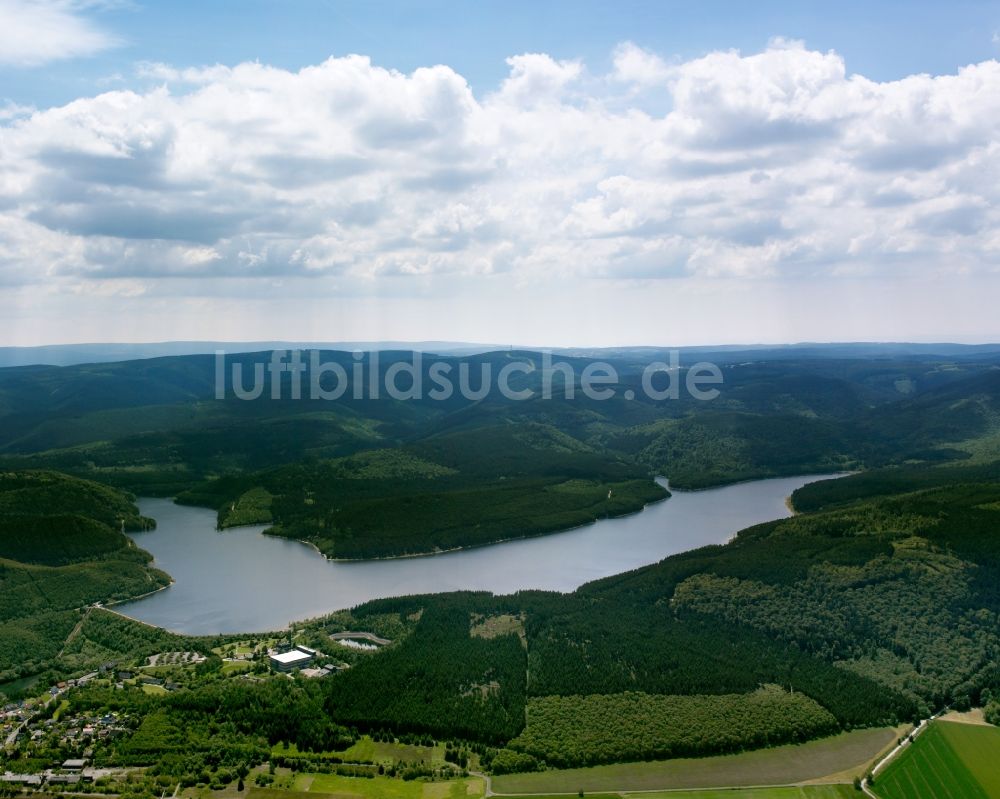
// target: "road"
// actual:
[[907, 741]]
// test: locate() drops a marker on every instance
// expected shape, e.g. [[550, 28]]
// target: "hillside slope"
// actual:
[[62, 548], [873, 612]]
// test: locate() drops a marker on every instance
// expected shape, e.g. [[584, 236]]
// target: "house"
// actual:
[[75, 764]]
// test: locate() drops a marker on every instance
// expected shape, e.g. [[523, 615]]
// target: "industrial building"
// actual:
[[297, 658]]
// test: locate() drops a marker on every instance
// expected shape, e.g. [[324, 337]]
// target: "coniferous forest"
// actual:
[[876, 604]]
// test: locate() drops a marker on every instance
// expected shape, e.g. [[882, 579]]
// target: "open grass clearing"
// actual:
[[368, 750]]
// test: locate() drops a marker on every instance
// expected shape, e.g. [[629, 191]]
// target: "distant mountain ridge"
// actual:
[[154, 427], [75, 354]]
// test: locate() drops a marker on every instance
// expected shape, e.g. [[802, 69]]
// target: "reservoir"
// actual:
[[241, 580]]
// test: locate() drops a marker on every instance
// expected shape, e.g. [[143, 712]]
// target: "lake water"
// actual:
[[240, 580]]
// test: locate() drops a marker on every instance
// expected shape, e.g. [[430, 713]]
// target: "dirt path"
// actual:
[[74, 632]]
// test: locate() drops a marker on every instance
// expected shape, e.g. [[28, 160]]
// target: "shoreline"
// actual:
[[329, 607], [116, 602], [469, 547], [432, 553], [659, 479], [822, 475]]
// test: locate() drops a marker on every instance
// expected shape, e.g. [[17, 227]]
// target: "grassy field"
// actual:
[[778, 766], [950, 760], [367, 750], [791, 792], [320, 786]]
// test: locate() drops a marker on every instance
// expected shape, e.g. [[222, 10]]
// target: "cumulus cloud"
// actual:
[[634, 65], [772, 164], [537, 78], [34, 32]]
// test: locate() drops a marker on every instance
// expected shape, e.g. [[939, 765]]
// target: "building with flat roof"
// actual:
[[297, 658]]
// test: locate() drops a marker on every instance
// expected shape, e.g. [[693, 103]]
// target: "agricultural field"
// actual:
[[316, 786], [949, 760], [783, 765], [790, 792]]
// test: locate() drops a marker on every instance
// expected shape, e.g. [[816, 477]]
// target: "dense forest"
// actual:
[[61, 549], [877, 610], [439, 679], [373, 477], [868, 611], [461, 489], [637, 726], [876, 604]]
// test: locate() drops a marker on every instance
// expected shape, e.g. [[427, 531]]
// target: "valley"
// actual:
[[240, 580], [411, 399], [592, 631]]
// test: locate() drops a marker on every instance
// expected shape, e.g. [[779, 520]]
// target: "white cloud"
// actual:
[[634, 65], [11, 110], [771, 165], [537, 78], [34, 32]]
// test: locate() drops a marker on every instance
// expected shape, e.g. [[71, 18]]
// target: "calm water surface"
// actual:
[[243, 581]]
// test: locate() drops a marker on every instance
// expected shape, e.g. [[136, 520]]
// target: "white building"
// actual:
[[296, 658]]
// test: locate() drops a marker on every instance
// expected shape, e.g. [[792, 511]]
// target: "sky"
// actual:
[[539, 173]]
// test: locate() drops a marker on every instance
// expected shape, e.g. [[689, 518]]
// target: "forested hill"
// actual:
[[62, 547], [70, 519], [460, 489], [882, 608], [381, 476], [155, 426]]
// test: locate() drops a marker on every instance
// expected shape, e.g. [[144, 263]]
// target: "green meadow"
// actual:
[[948, 761]]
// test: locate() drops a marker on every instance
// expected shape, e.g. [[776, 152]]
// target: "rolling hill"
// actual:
[[490, 461], [62, 548]]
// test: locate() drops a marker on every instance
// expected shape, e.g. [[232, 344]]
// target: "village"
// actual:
[[39, 730], [47, 745]]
